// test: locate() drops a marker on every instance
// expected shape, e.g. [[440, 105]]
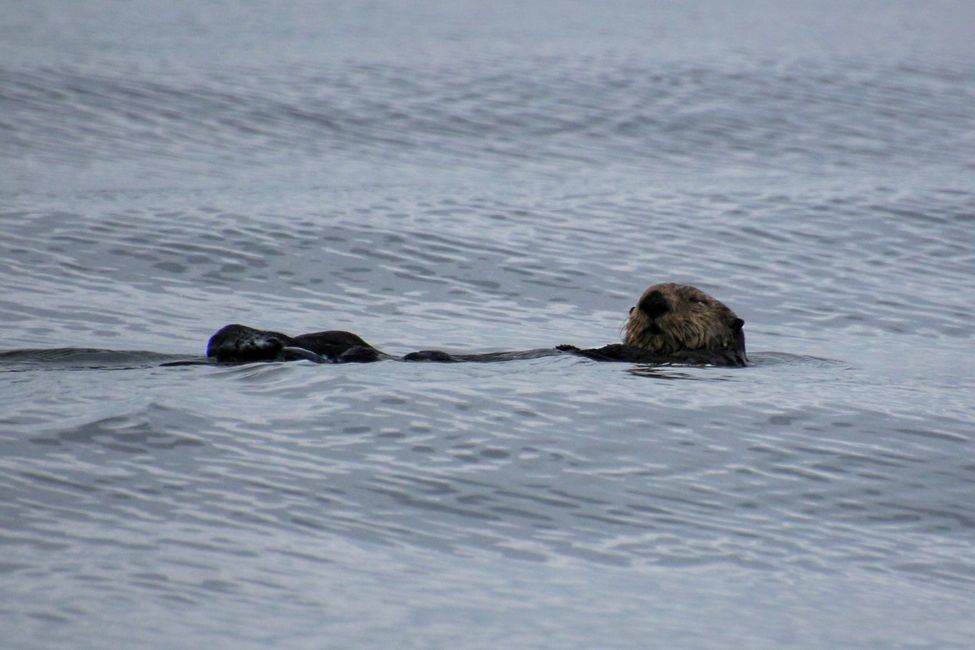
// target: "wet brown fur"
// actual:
[[672, 318]]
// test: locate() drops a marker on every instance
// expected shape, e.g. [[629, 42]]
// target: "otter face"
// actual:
[[671, 318]]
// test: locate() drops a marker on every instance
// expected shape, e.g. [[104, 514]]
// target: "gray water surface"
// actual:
[[480, 177]]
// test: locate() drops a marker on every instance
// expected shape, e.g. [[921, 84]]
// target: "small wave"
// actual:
[[148, 428], [784, 358], [595, 111], [84, 359]]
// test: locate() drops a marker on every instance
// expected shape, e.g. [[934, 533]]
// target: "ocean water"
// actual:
[[478, 176]]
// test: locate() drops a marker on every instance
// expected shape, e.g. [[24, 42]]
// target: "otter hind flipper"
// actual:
[[242, 344], [339, 346]]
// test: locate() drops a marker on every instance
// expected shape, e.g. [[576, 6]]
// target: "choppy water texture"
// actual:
[[486, 176]]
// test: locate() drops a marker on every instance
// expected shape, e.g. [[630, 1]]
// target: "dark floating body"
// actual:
[[672, 324], [242, 344]]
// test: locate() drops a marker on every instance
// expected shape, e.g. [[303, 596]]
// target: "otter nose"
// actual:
[[654, 304]]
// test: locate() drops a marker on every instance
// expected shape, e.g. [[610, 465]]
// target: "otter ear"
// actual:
[[737, 324]]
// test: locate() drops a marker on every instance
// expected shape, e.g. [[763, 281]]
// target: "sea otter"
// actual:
[[671, 324], [675, 323]]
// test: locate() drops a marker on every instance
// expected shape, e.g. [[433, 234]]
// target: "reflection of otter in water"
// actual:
[[671, 324]]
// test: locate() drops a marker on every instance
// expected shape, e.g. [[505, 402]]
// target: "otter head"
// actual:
[[671, 318]]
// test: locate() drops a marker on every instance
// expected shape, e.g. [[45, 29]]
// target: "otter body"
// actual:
[[671, 324]]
